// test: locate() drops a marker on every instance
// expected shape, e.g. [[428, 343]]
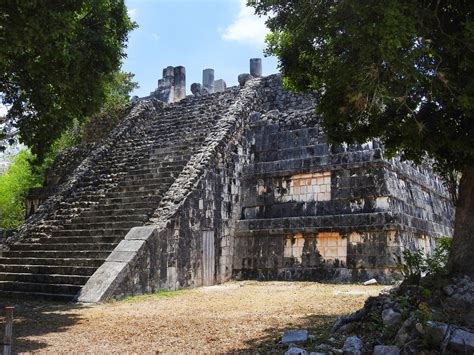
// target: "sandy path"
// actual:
[[236, 316]]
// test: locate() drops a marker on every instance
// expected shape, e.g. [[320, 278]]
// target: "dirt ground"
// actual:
[[234, 317]]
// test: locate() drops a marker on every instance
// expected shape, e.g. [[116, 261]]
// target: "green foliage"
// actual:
[[399, 71], [423, 313], [14, 185], [117, 91], [416, 264], [114, 109], [412, 265], [57, 59], [436, 263]]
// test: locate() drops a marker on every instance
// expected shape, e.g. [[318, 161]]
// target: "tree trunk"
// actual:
[[461, 258]]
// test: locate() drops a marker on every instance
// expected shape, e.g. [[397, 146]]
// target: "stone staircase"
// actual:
[[121, 191]]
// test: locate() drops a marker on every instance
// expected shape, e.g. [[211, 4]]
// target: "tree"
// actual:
[[56, 60], [401, 71], [14, 186]]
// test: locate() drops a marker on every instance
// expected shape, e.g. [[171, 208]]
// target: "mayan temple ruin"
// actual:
[[224, 183]]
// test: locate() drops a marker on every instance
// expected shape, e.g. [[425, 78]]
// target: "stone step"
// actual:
[[110, 218], [82, 240], [90, 233], [116, 211], [63, 246], [150, 176], [89, 200], [57, 254], [138, 187], [101, 225], [48, 269], [135, 194], [44, 278], [71, 262], [20, 295], [149, 199], [66, 289], [121, 207]]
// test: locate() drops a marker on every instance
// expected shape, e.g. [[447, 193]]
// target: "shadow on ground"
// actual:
[[270, 342], [37, 318]]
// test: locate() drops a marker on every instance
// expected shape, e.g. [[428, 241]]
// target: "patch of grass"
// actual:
[[159, 294]]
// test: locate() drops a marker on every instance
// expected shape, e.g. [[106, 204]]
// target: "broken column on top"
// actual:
[[255, 71], [179, 83], [209, 85], [219, 85], [208, 80], [256, 67], [172, 87]]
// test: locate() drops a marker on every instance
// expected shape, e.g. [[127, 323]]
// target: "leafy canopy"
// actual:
[[56, 58], [401, 71], [14, 186]]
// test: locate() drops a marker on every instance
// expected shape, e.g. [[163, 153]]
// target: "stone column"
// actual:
[[179, 83], [208, 79], [168, 72], [219, 85], [256, 67]]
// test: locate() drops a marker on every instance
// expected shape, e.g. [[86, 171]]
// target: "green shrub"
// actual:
[[415, 264], [14, 185]]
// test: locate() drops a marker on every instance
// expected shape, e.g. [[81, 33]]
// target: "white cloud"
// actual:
[[247, 28], [132, 13]]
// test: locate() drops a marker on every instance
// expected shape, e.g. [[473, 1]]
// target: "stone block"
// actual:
[[140, 233], [461, 342], [295, 336], [386, 350]]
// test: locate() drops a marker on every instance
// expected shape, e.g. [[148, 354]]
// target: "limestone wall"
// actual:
[[315, 211]]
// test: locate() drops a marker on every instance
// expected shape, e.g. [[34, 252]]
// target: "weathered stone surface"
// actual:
[[391, 318], [219, 85], [435, 333], [405, 332], [461, 341], [370, 282], [256, 67], [295, 336], [208, 80], [386, 350], [172, 87], [243, 78], [296, 351], [352, 346], [196, 89]]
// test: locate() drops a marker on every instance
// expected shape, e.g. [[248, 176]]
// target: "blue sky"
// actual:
[[198, 34]]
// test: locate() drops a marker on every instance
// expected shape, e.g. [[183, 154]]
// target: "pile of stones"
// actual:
[[415, 319], [435, 317]]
